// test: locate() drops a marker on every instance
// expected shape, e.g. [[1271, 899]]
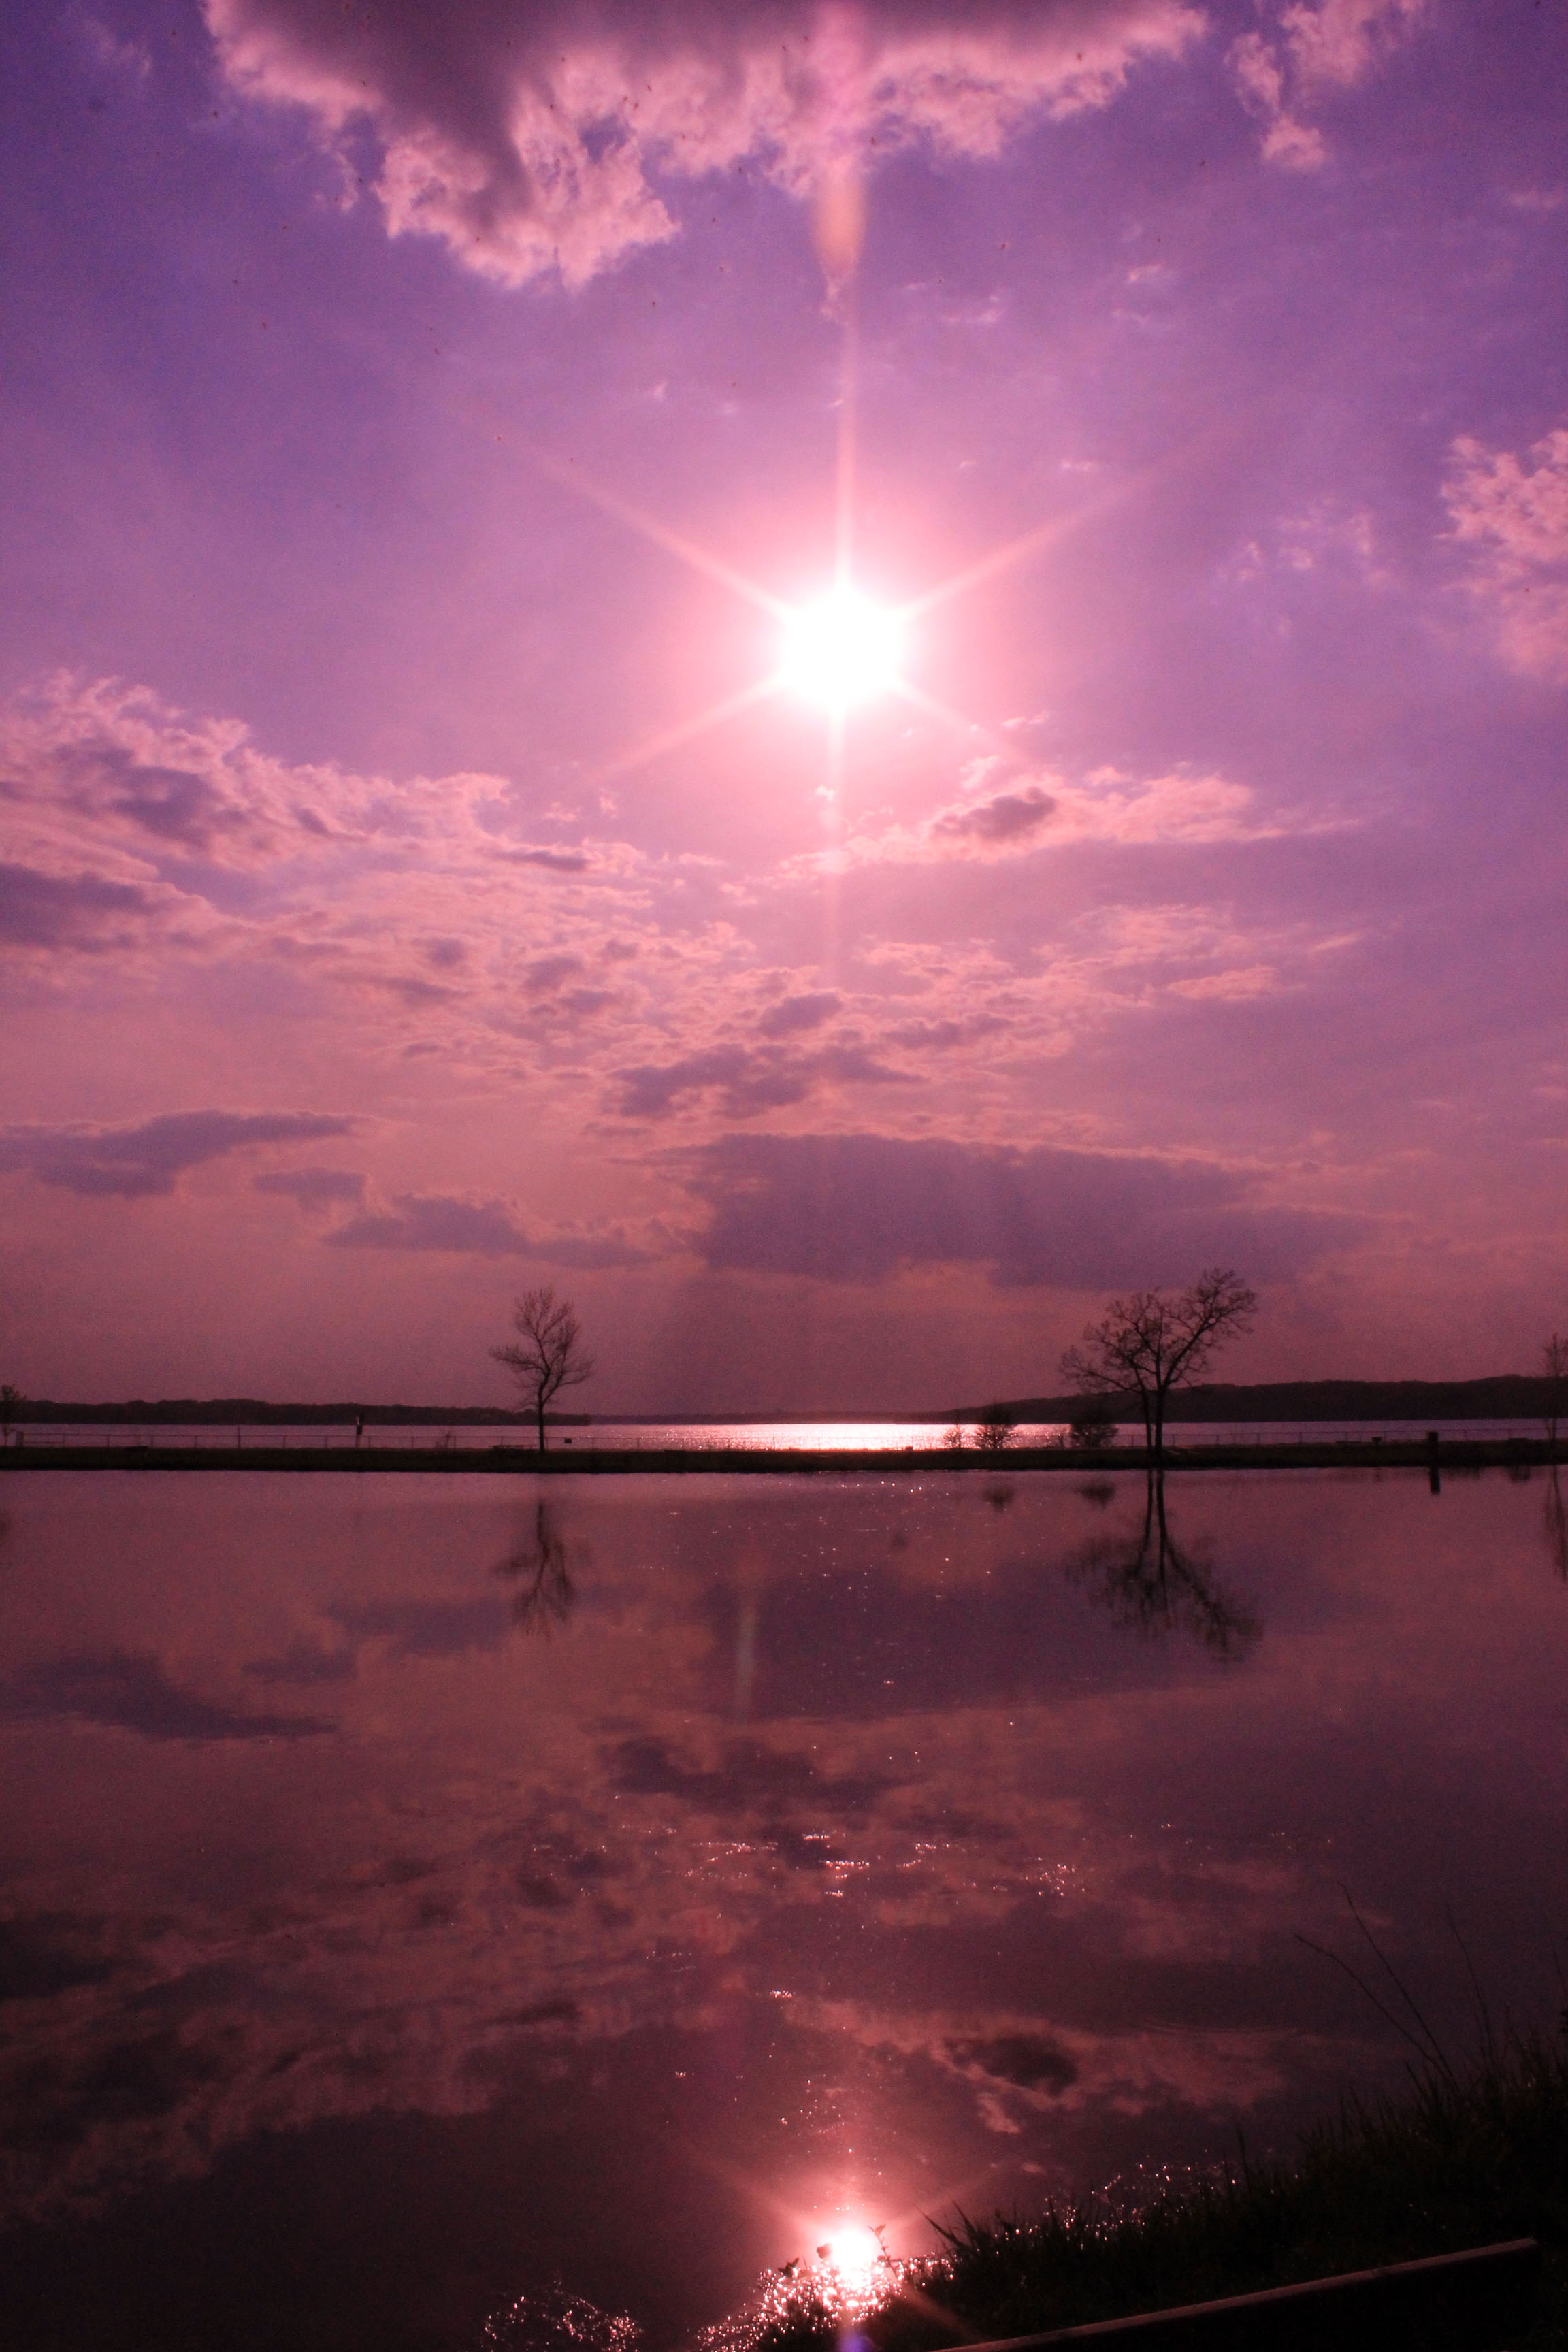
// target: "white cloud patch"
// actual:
[[1316, 46], [1512, 514], [1041, 813]]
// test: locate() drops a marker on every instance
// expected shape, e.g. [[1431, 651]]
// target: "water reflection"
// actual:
[[1554, 1523], [1154, 1583], [356, 1950], [545, 1594]]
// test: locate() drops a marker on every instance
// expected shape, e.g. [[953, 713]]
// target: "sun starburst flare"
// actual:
[[842, 650]]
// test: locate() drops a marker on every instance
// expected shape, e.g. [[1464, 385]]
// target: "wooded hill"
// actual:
[[1510, 1396]]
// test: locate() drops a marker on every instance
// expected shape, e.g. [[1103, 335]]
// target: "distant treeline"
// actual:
[[1511, 1396], [256, 1411]]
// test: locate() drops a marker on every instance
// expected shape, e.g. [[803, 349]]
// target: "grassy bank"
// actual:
[[1465, 2158]]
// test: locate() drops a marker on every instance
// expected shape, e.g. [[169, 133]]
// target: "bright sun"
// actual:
[[841, 650], [854, 2254]]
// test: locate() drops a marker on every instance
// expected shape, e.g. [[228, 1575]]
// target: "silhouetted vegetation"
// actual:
[[1554, 1375], [547, 1354], [544, 1593], [1466, 2158], [994, 1432], [1157, 1340], [1154, 1584]]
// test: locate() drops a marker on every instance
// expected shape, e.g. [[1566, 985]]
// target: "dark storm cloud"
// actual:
[[47, 910], [444, 1220], [131, 1693], [135, 1162], [855, 1208]]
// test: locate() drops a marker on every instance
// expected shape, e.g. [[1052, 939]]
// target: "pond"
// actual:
[[420, 1890]]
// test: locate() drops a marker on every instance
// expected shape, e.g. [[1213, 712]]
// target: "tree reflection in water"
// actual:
[[1150, 1581], [1554, 1523], [545, 1593]]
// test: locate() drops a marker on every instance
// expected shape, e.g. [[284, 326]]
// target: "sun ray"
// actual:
[[848, 396], [572, 478], [1001, 559], [687, 730], [974, 729]]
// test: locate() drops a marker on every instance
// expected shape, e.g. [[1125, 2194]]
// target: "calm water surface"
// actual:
[[417, 1890]]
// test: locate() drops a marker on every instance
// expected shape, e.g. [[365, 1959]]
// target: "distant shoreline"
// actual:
[[1509, 1396], [1454, 1454]]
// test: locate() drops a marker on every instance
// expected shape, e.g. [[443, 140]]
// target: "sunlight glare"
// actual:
[[841, 650], [854, 2255]]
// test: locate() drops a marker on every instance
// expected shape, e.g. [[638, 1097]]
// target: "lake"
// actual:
[[419, 1891]]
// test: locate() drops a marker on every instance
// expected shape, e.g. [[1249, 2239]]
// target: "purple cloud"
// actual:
[[132, 1693], [749, 1080], [793, 1013], [312, 1188], [858, 1208], [52, 910], [1000, 821], [542, 142], [136, 1162], [478, 1228]]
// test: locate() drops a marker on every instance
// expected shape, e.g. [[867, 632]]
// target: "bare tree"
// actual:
[[1153, 1584], [544, 1593], [547, 1355], [994, 1433], [1554, 1370], [1158, 1340]]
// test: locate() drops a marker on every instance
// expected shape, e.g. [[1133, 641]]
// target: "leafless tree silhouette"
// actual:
[[1554, 1523], [544, 1594], [1150, 1581], [547, 1354], [994, 1432], [1554, 1370], [1158, 1340]]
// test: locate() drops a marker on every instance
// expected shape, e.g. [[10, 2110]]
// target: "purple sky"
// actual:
[[401, 404]]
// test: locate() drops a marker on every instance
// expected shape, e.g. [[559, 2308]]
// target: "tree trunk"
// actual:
[[540, 1410]]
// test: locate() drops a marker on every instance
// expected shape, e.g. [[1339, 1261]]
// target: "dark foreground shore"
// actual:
[[566, 1460]]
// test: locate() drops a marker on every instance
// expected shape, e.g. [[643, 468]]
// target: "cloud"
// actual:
[[136, 1162], [542, 140], [477, 1228], [857, 1208], [553, 861], [1515, 519], [793, 1013], [312, 1188], [749, 1080], [129, 1692], [547, 972], [998, 823], [54, 910], [1320, 45], [1105, 806]]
